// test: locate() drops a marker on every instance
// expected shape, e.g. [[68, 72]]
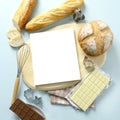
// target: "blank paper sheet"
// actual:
[[54, 57]]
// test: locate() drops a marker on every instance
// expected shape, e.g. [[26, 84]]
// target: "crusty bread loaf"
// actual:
[[95, 37], [54, 14], [23, 13]]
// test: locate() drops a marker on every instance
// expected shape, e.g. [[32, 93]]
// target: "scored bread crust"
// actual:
[[95, 37], [54, 14], [23, 13]]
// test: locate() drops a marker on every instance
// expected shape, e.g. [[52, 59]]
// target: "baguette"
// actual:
[[53, 15], [23, 13]]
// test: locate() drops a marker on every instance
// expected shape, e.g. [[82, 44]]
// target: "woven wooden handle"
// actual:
[[15, 91]]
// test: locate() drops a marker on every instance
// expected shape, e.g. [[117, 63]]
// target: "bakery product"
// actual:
[[15, 37], [95, 37], [54, 14], [23, 13]]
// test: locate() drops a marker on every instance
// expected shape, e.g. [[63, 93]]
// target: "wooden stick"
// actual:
[[15, 91]]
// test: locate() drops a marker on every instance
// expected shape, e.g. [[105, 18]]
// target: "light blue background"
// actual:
[[108, 104]]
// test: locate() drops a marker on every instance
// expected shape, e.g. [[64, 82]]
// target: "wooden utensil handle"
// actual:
[[16, 85]]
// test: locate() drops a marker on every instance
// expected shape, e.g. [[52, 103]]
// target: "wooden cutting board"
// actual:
[[27, 71]]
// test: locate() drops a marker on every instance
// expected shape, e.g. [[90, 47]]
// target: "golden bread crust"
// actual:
[[54, 14], [23, 13], [95, 37]]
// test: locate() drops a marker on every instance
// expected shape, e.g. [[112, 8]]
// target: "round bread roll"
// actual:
[[95, 37]]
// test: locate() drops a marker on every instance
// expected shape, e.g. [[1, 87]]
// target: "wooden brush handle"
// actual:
[[15, 91]]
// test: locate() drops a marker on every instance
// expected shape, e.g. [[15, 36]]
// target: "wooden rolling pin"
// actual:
[[54, 14]]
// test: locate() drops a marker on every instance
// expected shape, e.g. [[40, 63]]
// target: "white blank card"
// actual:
[[54, 57]]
